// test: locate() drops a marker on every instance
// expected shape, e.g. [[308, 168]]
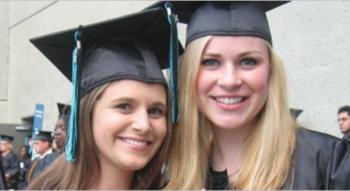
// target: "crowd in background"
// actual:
[[20, 168]]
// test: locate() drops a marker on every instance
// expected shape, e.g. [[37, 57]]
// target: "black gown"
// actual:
[[10, 166], [320, 161], [39, 165]]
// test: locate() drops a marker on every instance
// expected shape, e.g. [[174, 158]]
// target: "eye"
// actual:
[[210, 62], [248, 62], [156, 112], [124, 107]]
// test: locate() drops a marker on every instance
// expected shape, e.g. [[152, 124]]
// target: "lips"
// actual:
[[229, 103], [136, 142], [229, 100]]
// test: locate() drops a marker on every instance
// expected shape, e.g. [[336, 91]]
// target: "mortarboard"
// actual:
[[43, 135], [131, 47], [63, 109], [241, 18], [130, 57], [295, 112], [7, 138]]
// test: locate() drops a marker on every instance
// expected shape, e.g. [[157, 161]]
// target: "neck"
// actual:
[[48, 151], [113, 179], [227, 148], [347, 135]]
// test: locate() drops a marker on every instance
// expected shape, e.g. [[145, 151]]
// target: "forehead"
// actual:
[[135, 89], [38, 141], [343, 115], [60, 121], [237, 43]]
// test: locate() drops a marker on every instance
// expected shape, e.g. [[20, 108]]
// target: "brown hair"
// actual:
[[81, 174]]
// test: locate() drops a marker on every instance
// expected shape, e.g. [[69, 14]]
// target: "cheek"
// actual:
[[260, 80], [99, 124], [202, 82], [160, 129]]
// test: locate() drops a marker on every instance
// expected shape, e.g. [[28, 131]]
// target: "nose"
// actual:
[[141, 123], [229, 77]]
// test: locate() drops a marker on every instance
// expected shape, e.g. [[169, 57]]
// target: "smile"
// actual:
[[229, 100], [136, 142]]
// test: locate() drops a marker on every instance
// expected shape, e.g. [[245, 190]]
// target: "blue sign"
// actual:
[[37, 123], [38, 117]]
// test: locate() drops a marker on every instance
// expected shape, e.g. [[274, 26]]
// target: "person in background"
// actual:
[[124, 129], [61, 126], [10, 161], [24, 163], [2, 176], [42, 145], [344, 121], [235, 129]]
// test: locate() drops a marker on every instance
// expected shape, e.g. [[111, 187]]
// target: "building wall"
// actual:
[[310, 36], [4, 19]]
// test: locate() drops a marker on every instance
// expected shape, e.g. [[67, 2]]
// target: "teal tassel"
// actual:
[[173, 62], [74, 114]]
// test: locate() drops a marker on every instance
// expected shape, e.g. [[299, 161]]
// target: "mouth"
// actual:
[[229, 103], [135, 142], [230, 100]]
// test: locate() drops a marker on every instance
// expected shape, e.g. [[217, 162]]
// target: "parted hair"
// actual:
[[83, 173], [267, 151]]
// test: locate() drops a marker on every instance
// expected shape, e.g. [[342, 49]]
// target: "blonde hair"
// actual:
[[82, 174], [267, 150]]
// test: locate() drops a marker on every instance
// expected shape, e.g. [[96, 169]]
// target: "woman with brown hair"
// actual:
[[235, 129], [123, 128]]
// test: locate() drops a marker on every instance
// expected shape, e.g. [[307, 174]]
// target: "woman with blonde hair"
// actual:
[[235, 129], [123, 129]]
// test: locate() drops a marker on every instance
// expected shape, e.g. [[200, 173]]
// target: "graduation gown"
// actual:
[[10, 166], [2, 175], [320, 161], [39, 165], [23, 169]]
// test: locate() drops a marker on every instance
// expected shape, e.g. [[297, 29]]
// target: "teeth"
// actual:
[[135, 142], [229, 100]]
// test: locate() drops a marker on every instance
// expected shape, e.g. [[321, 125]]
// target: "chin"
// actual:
[[135, 165], [227, 126], [227, 122]]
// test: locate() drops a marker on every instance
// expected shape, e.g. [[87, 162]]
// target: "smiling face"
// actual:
[[232, 81], [129, 124]]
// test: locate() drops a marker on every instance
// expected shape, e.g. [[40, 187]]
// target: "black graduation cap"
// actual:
[[7, 138], [63, 109], [43, 135], [246, 18], [134, 47], [295, 112]]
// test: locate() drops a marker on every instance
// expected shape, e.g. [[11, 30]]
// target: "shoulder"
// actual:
[[51, 157], [12, 156], [314, 147], [315, 140]]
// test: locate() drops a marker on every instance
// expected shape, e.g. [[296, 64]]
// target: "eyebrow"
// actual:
[[129, 99], [160, 104], [242, 54], [211, 54]]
